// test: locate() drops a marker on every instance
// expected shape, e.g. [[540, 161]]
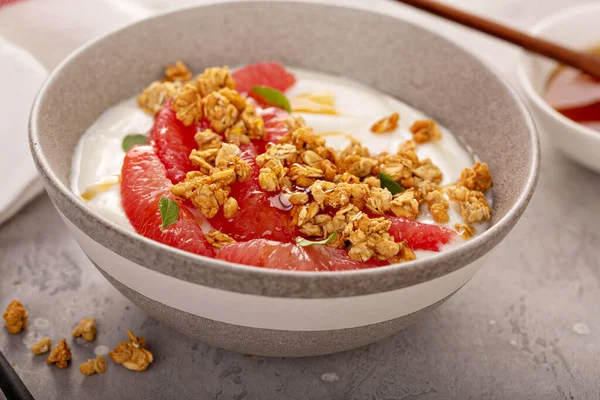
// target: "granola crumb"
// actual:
[[220, 110], [230, 208], [378, 200], [428, 171], [60, 354], [425, 131], [369, 238], [399, 168], [86, 329], [372, 181], [272, 176], [15, 317], [218, 239], [177, 72], [475, 208], [294, 122], [152, 97], [93, 366], [476, 178], [133, 355], [207, 139], [405, 204], [467, 231], [405, 253], [457, 192], [438, 205], [236, 134], [41, 346], [214, 79], [356, 160], [298, 198], [386, 124], [188, 104], [255, 126]]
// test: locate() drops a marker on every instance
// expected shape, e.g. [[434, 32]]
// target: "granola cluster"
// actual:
[[386, 124], [60, 354], [210, 95], [133, 354], [341, 190], [152, 98], [86, 329], [209, 188], [218, 239], [41, 346], [93, 366], [15, 317]]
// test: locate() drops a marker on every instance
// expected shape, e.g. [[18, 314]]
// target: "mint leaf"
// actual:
[[300, 241], [131, 140], [169, 211], [273, 97], [388, 183]]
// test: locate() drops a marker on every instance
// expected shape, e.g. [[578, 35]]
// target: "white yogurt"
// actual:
[[99, 153]]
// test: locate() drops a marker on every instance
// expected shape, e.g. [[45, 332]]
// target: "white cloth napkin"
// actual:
[[20, 76], [35, 35]]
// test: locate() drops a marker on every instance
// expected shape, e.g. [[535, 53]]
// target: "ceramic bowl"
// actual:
[[271, 312], [574, 27]]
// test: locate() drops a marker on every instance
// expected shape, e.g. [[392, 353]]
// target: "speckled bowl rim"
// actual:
[[300, 284], [526, 57]]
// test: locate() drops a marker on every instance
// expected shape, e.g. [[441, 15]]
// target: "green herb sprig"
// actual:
[[273, 97], [388, 183], [131, 140], [169, 211], [300, 241]]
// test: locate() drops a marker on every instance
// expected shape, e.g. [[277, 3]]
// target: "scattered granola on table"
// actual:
[[15, 317], [132, 355], [86, 329], [93, 366], [60, 354], [41, 346]]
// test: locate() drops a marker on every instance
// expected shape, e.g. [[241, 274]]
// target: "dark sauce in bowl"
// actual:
[[575, 95]]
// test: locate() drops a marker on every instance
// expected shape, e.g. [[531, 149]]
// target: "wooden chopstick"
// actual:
[[11, 385], [585, 62]]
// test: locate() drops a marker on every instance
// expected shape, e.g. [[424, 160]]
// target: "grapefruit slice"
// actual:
[[287, 256], [420, 236], [270, 74], [257, 216], [275, 126], [144, 182], [174, 142]]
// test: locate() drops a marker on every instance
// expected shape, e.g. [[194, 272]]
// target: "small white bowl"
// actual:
[[577, 28]]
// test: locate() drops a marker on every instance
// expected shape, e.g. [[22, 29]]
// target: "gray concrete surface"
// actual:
[[525, 327]]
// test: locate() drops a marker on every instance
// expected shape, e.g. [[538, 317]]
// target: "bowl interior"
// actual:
[[392, 55]]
